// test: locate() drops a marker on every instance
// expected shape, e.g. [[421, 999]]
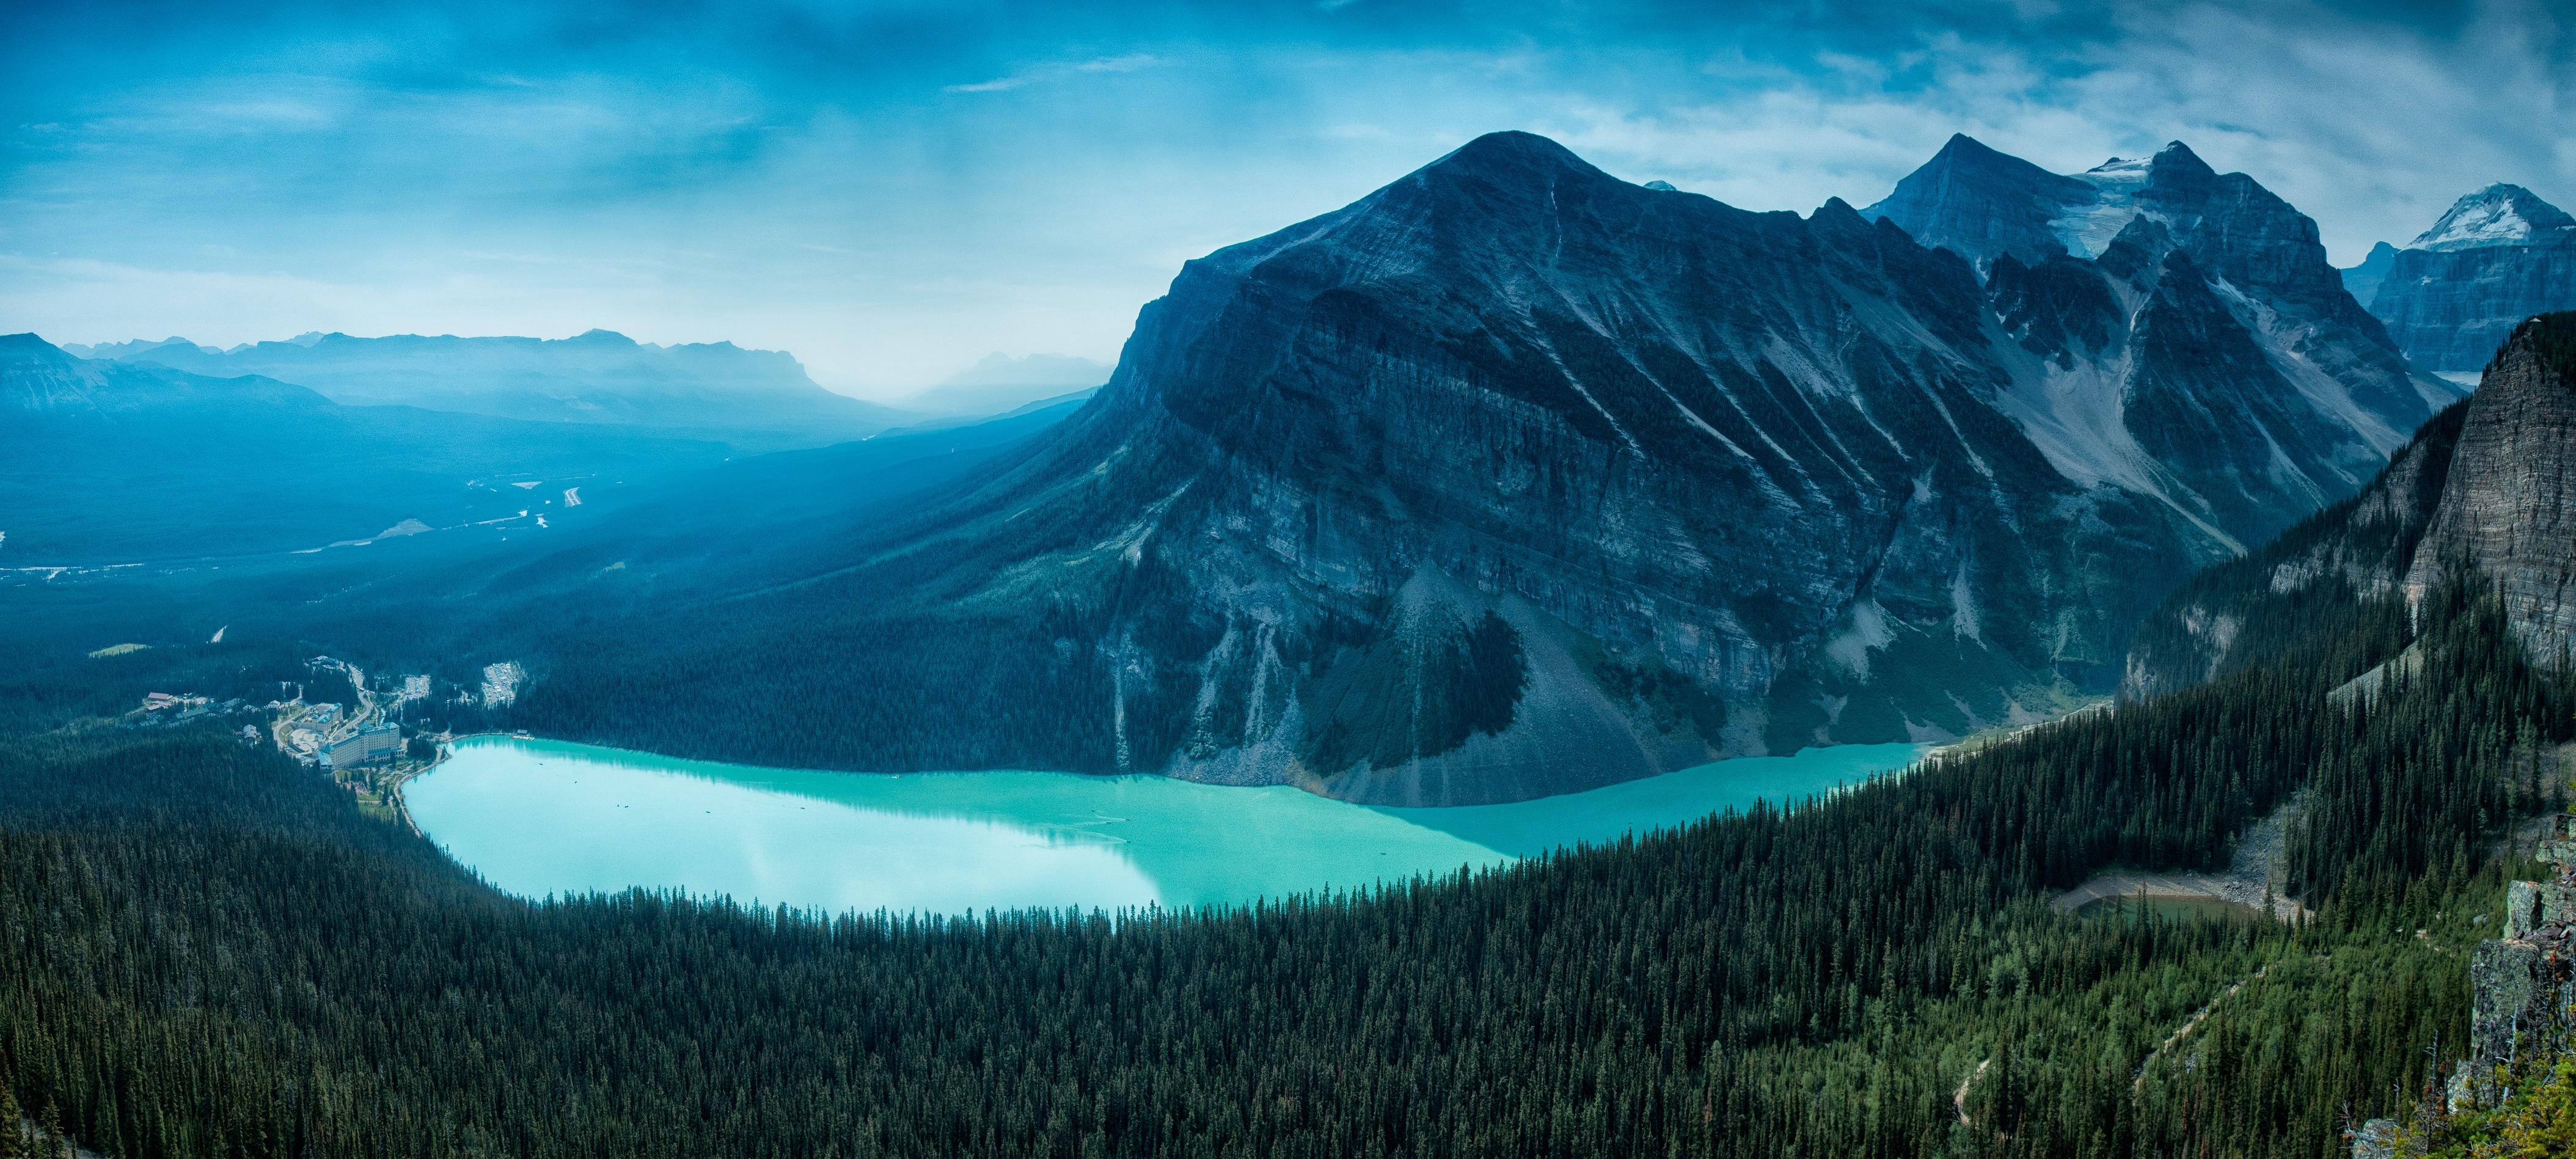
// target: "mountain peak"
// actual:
[[1510, 143], [28, 347], [1509, 153], [2177, 153], [1962, 149], [1979, 202], [2499, 214], [2363, 281]]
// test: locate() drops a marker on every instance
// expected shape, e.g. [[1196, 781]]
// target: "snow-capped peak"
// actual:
[[2496, 215], [2122, 173]]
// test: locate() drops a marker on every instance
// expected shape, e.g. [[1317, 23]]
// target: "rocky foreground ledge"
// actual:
[[2521, 985]]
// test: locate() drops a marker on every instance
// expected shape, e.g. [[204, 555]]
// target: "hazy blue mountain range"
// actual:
[[2450, 298], [1513, 478], [758, 399], [105, 462]]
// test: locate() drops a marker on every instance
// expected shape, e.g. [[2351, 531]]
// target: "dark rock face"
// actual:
[[2509, 509], [1513, 478], [2499, 256]]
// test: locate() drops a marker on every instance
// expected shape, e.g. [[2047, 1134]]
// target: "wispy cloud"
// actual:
[[1042, 74]]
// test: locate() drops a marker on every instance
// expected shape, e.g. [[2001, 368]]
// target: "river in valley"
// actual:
[[539, 818]]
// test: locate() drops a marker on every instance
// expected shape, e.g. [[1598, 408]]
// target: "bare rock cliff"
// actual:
[[2509, 508]]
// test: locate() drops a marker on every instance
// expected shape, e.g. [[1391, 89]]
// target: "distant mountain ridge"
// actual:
[[123, 462], [759, 397], [1513, 478], [37, 378], [2496, 257]]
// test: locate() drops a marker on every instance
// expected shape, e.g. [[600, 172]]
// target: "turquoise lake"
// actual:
[[539, 818]]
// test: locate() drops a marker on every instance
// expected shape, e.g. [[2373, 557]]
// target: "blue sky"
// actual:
[[892, 190]]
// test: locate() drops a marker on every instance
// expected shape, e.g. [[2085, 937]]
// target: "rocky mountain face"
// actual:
[[2508, 510], [1982, 204], [1513, 478], [2197, 345], [757, 398], [2500, 255], [2483, 491]]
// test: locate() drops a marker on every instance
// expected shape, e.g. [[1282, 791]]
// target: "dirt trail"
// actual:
[[1959, 1102], [2139, 1083]]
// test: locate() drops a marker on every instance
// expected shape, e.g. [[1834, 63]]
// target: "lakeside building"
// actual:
[[366, 747]]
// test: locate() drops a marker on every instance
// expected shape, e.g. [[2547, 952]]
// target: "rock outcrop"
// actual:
[[2522, 983], [2453, 295], [2520, 980], [2508, 510]]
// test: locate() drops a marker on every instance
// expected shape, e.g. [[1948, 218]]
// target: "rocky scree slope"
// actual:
[[1514, 478]]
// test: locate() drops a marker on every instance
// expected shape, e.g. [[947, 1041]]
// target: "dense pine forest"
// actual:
[[206, 951]]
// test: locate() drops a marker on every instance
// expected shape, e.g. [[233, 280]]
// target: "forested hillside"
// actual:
[[207, 952]]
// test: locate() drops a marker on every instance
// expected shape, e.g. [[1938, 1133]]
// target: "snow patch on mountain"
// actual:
[[2496, 215], [2087, 227]]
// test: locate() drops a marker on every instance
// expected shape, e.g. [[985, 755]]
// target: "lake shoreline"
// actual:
[[548, 818]]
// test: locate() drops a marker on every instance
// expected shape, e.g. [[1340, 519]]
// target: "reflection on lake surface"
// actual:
[[544, 817]]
